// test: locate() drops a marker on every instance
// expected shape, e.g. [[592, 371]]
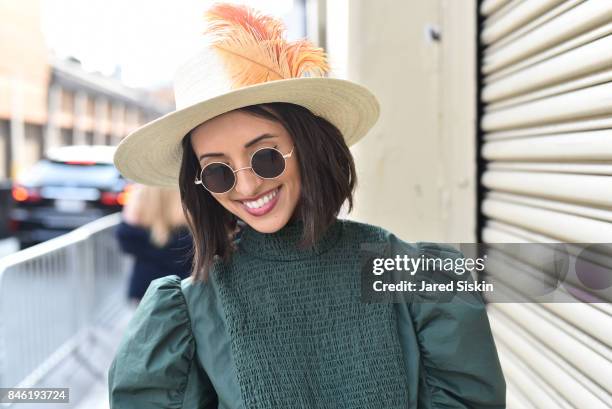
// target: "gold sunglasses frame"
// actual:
[[284, 156]]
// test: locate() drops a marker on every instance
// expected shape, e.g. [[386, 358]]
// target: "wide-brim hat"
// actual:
[[246, 61]]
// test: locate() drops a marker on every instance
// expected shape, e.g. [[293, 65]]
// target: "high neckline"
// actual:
[[284, 245]]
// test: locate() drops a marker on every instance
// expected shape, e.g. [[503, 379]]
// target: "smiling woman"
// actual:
[[275, 318], [296, 193], [234, 133]]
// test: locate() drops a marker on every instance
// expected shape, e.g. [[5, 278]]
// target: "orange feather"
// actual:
[[254, 50]]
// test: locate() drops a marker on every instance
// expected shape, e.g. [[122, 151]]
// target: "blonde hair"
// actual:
[[158, 209]]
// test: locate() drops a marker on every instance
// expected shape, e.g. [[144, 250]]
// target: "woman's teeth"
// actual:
[[256, 204]]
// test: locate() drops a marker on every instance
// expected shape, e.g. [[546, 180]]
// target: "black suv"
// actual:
[[72, 186]]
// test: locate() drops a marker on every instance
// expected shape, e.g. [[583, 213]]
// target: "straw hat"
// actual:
[[246, 61]]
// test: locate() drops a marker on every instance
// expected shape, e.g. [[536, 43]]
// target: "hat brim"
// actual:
[[152, 154]]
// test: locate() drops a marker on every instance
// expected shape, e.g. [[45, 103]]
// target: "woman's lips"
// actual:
[[266, 207]]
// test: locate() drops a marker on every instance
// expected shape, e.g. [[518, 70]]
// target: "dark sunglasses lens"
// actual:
[[218, 178], [268, 163]]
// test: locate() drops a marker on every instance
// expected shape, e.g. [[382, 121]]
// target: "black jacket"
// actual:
[[150, 261]]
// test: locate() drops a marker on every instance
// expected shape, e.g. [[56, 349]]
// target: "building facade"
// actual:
[[47, 102], [496, 127]]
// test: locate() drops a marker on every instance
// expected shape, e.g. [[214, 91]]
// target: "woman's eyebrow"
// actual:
[[259, 138], [246, 145], [206, 155]]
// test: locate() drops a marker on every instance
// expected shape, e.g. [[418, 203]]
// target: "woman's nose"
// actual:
[[247, 182]]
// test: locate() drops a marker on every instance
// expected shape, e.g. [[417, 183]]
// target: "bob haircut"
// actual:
[[328, 179]]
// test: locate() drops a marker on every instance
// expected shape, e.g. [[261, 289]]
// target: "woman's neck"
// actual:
[[286, 243]]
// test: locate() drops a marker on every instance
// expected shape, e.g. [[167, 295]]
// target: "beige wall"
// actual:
[[24, 71], [4, 147], [417, 167]]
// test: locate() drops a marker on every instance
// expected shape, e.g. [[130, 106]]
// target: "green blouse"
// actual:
[[281, 326]]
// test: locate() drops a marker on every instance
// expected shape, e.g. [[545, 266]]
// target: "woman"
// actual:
[[154, 230], [276, 320]]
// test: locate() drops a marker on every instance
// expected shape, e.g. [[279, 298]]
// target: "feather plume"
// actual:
[[253, 48]]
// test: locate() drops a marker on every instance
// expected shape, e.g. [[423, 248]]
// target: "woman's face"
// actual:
[[232, 138]]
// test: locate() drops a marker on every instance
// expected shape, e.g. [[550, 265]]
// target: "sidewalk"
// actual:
[[97, 396]]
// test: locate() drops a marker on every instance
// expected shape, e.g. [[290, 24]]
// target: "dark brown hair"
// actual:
[[328, 179]]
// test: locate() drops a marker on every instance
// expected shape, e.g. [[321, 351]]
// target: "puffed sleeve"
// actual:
[[458, 366], [155, 365]]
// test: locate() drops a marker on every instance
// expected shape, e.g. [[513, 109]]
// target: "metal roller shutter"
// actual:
[[546, 127]]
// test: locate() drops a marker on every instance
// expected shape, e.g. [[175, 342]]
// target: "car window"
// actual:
[[48, 173]]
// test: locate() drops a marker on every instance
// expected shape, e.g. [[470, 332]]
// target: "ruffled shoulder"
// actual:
[[152, 365], [448, 336]]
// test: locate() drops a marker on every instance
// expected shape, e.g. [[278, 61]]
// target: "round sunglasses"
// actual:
[[219, 177]]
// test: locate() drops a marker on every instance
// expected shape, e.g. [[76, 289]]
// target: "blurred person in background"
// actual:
[[154, 231]]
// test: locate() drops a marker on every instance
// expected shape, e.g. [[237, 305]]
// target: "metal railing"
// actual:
[[51, 296]]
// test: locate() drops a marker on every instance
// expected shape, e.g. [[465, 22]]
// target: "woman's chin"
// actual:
[[270, 224]]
